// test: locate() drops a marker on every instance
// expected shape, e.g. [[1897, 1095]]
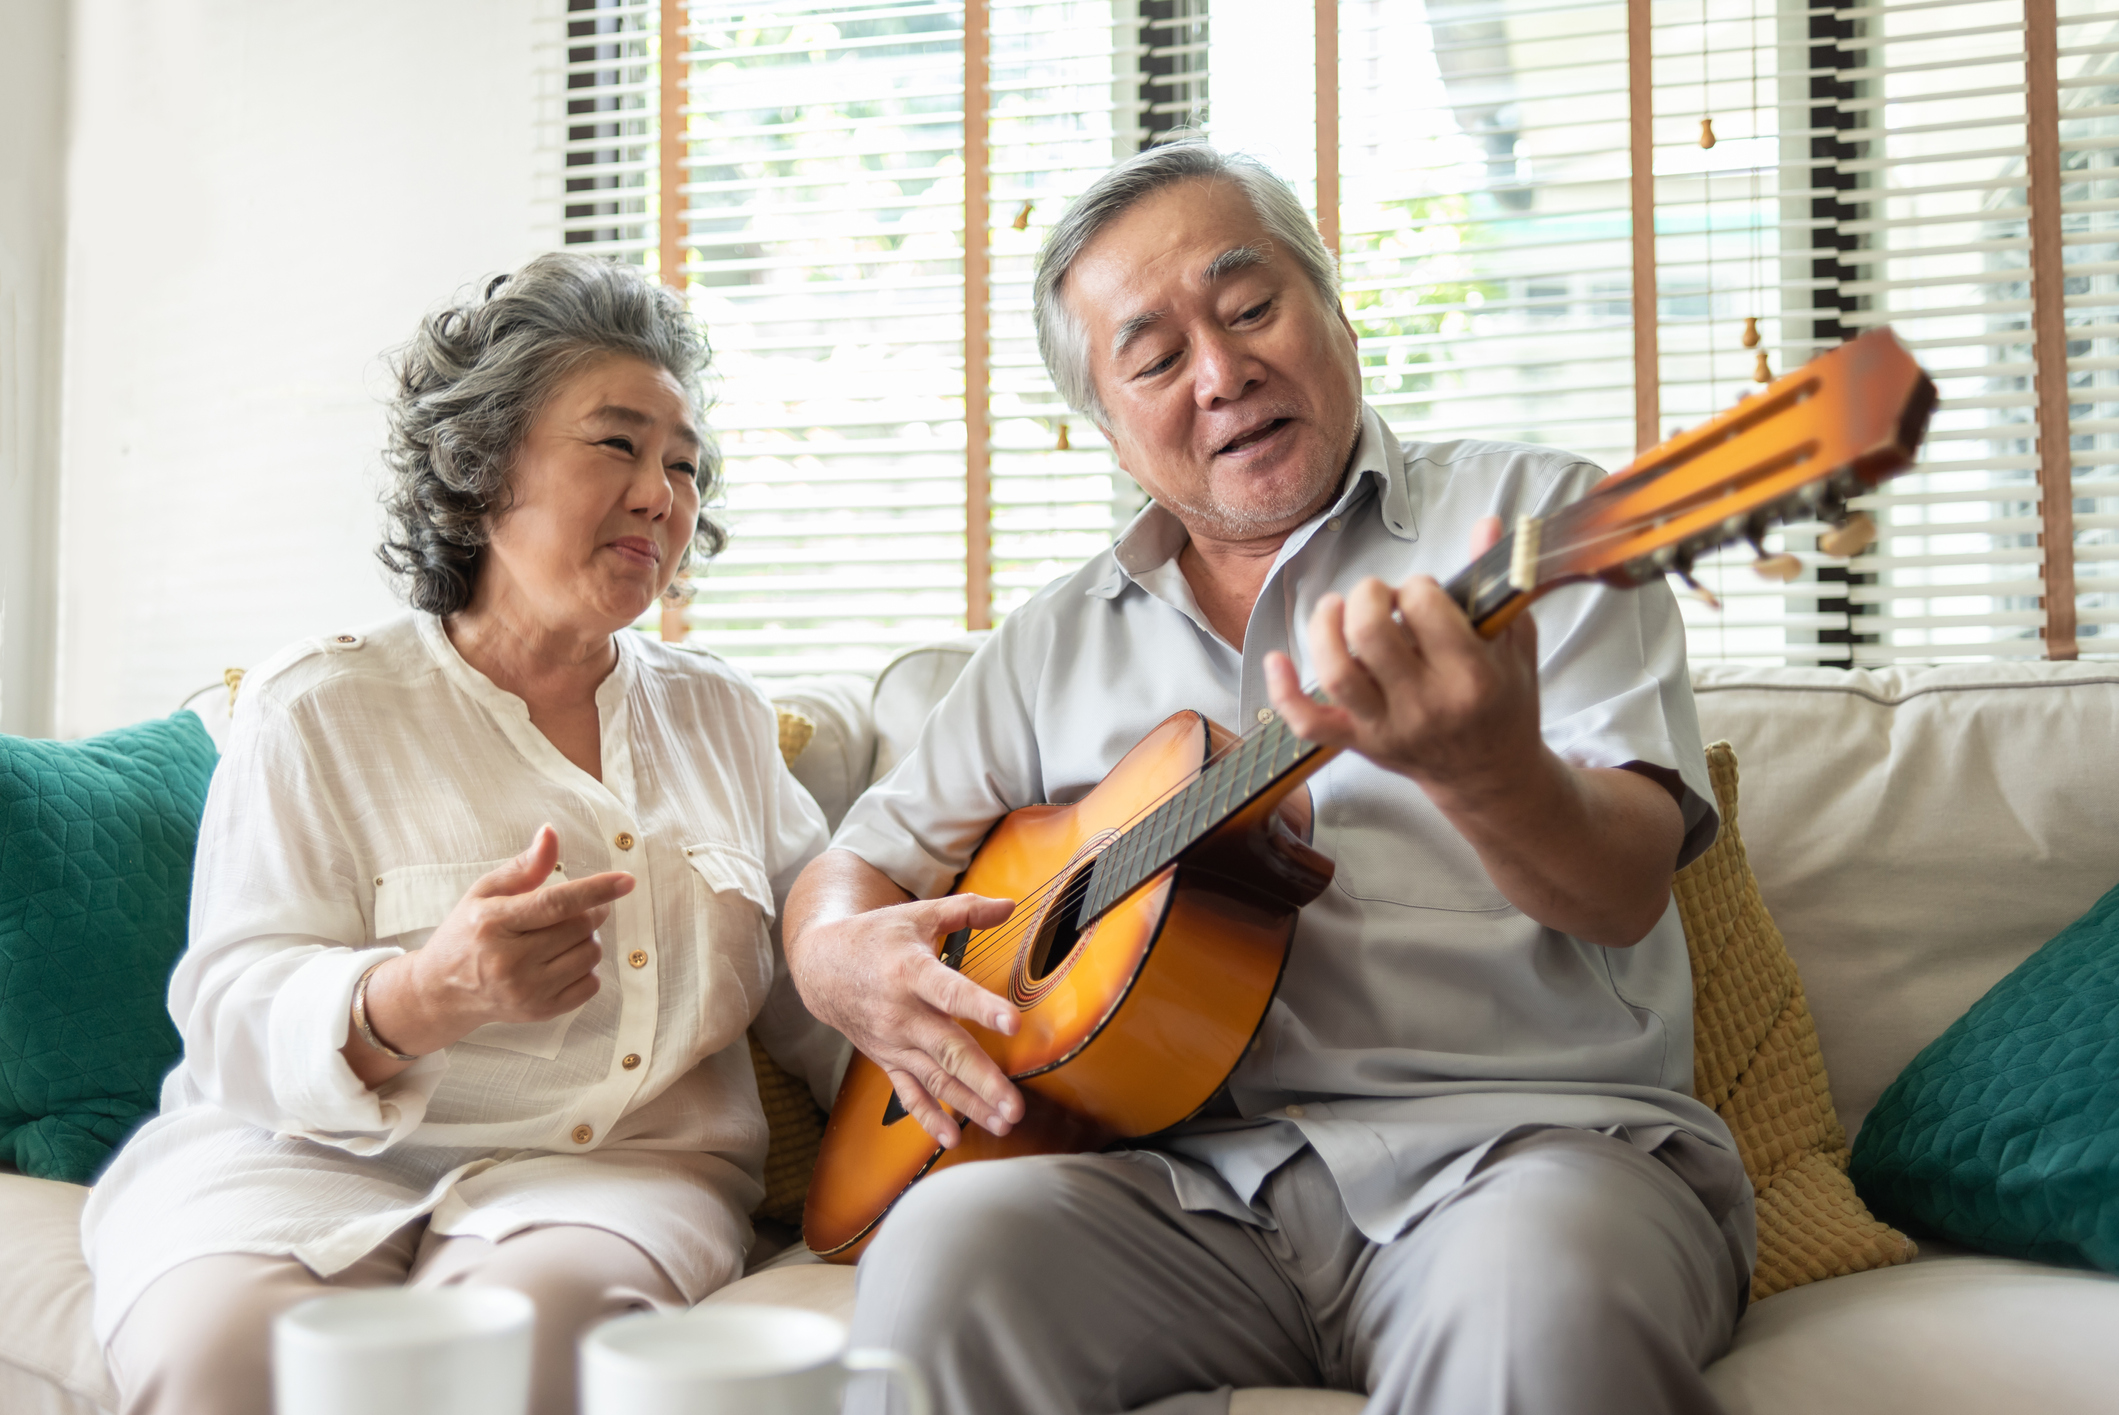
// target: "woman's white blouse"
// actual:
[[370, 779]]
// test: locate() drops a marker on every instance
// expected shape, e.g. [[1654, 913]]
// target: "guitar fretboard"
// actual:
[[1166, 832]]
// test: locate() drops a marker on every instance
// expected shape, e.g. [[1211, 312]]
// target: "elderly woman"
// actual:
[[484, 894]]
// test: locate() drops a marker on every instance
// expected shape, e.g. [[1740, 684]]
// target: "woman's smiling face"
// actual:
[[603, 501]]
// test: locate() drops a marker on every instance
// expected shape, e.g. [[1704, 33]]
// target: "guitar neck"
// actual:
[[1272, 759]]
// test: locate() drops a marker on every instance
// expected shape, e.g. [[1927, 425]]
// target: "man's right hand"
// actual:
[[867, 965]]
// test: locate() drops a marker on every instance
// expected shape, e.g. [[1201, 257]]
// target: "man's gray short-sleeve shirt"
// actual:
[[1421, 1018]]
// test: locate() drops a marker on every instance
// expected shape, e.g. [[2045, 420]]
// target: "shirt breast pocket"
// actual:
[[734, 935], [411, 902], [1391, 846]]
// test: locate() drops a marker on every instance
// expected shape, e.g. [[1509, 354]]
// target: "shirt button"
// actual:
[[638, 958], [623, 840], [632, 1059], [1296, 1112], [1265, 715], [1333, 524], [583, 1134]]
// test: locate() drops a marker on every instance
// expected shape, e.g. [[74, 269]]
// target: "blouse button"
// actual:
[[632, 1059], [638, 958], [583, 1134], [623, 840]]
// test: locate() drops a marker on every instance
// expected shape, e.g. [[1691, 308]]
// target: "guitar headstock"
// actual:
[[1800, 449]]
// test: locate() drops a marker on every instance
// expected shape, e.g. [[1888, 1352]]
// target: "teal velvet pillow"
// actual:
[[2004, 1133], [96, 839]]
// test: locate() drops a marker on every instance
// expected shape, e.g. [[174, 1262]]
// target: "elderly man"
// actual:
[[1460, 1168]]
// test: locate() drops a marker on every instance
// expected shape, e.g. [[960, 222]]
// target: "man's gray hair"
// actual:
[[475, 377], [1061, 338]]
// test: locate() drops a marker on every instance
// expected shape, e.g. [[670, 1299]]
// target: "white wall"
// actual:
[[264, 196], [32, 246]]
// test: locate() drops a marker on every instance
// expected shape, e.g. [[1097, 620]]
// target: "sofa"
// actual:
[[1916, 834]]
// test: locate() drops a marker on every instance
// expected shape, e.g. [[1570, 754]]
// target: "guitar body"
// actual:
[[1126, 1029]]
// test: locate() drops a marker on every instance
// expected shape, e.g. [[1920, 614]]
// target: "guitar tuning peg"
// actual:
[[1750, 340], [1062, 445], [1779, 568], [1706, 132], [1022, 218], [1850, 537]]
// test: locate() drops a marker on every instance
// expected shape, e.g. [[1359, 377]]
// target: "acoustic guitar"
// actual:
[[1154, 914]]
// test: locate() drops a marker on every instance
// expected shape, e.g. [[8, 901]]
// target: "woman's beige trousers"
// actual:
[[200, 1338]]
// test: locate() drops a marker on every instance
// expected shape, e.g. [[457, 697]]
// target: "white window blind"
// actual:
[[1071, 91], [607, 147], [2088, 73], [1485, 221], [1925, 173], [824, 198]]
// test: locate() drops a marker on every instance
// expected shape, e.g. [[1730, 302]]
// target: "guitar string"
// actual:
[[1034, 901], [1002, 938], [1031, 909]]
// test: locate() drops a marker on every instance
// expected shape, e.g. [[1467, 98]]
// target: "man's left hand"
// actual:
[[1414, 686], [1417, 690]]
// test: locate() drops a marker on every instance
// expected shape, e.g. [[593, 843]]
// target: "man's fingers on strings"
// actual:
[[946, 990], [951, 912], [1446, 636], [1351, 688], [964, 1076], [1307, 718], [1385, 645], [922, 1108]]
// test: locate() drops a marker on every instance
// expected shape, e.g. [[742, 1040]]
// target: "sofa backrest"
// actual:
[[1917, 833]]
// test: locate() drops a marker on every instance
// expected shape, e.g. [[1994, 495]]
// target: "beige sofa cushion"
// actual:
[[834, 764], [1944, 1334], [907, 690], [1917, 833], [49, 1361]]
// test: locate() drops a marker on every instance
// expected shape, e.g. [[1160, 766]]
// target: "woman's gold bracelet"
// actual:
[[360, 1018]]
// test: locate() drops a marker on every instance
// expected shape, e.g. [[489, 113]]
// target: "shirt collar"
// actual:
[[1154, 537]]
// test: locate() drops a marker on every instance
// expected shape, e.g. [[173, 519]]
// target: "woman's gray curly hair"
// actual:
[[474, 377]]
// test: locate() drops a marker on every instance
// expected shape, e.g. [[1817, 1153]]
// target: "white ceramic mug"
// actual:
[[430, 1351], [731, 1359]]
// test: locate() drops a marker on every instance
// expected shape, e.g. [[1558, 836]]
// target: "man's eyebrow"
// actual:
[[1132, 329], [633, 417], [1232, 260]]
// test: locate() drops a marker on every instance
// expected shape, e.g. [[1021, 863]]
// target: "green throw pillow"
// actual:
[[2004, 1133], [96, 839]]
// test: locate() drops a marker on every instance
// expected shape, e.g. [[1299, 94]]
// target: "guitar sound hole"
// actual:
[[1062, 928]]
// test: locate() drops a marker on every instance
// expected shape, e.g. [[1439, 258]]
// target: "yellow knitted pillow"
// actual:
[[1755, 1059], [792, 1120]]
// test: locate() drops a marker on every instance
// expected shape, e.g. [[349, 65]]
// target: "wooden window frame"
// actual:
[[2049, 316]]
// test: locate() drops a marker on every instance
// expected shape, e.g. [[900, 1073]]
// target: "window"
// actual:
[[1505, 180]]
